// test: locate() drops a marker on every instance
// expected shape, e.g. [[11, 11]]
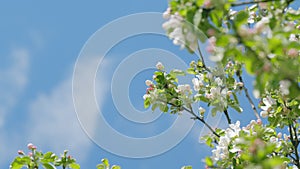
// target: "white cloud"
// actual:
[[13, 80], [53, 123]]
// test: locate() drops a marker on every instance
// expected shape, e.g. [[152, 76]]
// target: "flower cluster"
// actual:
[[222, 152], [179, 30], [263, 40], [244, 144], [35, 158], [218, 87]]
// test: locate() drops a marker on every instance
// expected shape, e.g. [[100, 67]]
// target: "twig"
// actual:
[[251, 2], [292, 157], [227, 116], [296, 146], [195, 117], [295, 142], [202, 120], [248, 95], [202, 58]]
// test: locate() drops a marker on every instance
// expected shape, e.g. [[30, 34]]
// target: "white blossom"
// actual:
[[219, 81], [222, 151], [284, 87], [236, 127], [215, 91], [256, 93], [159, 66], [235, 149], [251, 17], [262, 24], [264, 114], [167, 13], [201, 110], [293, 37], [181, 35], [148, 82], [285, 137], [183, 88], [146, 96], [279, 135], [198, 82], [268, 102]]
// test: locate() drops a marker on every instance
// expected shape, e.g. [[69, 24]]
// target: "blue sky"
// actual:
[[40, 42]]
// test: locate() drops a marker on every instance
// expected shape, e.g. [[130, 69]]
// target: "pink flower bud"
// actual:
[[263, 5], [207, 3], [293, 52], [30, 154], [148, 82], [149, 89], [30, 146], [209, 96], [259, 122], [211, 32], [159, 66], [210, 49], [20, 152]]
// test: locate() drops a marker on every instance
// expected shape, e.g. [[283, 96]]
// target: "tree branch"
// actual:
[[295, 142], [251, 2], [202, 58], [195, 117], [227, 116], [248, 95], [203, 121]]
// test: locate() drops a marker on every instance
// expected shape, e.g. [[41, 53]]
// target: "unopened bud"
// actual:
[[279, 135], [30, 146], [148, 82], [20, 152], [259, 122], [159, 66]]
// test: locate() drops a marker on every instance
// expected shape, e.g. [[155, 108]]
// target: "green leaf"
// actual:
[[209, 161], [48, 157], [241, 18], [101, 166], [48, 166], [191, 71], [74, 166], [105, 162], [177, 72], [187, 167], [147, 103], [19, 162], [209, 141], [199, 2], [115, 167], [214, 111]]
